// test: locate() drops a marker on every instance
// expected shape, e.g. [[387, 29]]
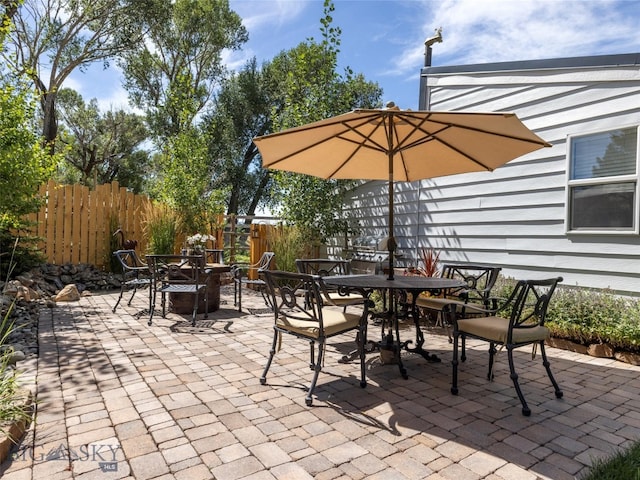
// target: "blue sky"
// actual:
[[384, 39]]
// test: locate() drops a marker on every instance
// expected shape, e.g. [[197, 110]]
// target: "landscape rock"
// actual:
[[601, 350], [69, 293], [628, 357]]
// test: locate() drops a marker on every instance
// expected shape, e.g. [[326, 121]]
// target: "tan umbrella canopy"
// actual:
[[398, 145]]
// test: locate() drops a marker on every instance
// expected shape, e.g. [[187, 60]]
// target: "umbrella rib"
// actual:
[[366, 143], [482, 130]]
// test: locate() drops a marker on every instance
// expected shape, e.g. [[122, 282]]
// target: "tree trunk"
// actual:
[[50, 120]]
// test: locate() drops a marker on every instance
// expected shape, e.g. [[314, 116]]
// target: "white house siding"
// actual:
[[514, 217]]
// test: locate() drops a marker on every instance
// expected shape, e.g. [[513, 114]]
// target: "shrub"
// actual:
[[624, 465], [595, 316], [588, 316]]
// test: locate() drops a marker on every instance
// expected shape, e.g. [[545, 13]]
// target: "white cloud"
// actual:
[[507, 30], [272, 13]]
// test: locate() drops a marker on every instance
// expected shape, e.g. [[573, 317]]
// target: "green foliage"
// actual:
[[242, 111], [102, 147], [313, 90], [24, 164], [175, 70], [53, 39], [595, 316], [11, 408], [183, 182], [624, 465], [316, 206]]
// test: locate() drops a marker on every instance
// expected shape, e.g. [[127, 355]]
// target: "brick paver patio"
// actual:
[[119, 399]]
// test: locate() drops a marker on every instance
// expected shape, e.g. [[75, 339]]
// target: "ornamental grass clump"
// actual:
[[161, 228], [12, 408]]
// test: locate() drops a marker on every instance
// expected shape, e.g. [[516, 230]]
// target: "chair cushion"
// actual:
[[334, 322], [350, 299], [437, 303], [496, 329]]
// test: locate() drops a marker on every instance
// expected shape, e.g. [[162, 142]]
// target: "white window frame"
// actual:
[[603, 181]]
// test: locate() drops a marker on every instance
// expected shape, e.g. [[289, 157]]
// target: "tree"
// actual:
[[102, 147], [242, 110], [9, 9], [52, 38], [183, 181], [24, 166], [176, 68], [313, 91]]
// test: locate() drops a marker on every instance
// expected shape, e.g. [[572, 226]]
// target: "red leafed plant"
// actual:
[[430, 259]]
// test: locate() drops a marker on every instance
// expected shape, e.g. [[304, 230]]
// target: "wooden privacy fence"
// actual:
[[75, 224]]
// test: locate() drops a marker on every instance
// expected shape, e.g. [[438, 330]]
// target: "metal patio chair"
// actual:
[[313, 323], [516, 323], [324, 267], [464, 301], [179, 274], [241, 272], [135, 274]]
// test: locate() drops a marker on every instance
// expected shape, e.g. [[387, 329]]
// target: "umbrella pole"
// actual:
[[391, 242]]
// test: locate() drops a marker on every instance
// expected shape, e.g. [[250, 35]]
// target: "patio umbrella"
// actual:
[[398, 145]]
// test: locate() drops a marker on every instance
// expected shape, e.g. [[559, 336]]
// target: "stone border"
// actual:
[[599, 350]]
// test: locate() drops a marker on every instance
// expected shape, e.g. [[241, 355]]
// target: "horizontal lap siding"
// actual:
[[514, 217]]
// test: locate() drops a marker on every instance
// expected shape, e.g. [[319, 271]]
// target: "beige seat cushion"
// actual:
[[496, 328], [435, 303], [438, 304], [334, 322], [341, 300]]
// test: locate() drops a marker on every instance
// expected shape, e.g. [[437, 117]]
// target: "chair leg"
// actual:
[[463, 356], [454, 363], [547, 367], [235, 293], [240, 297], [152, 305], [316, 373], [361, 340], [119, 298], [526, 411], [206, 302], [194, 313], [492, 355], [312, 354], [132, 295], [272, 352], [164, 305], [446, 324]]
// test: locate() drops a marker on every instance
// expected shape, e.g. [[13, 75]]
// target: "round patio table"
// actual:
[[415, 285]]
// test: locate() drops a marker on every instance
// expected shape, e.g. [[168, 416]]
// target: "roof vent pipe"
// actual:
[[437, 38]]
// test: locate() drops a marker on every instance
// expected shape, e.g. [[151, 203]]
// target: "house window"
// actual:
[[603, 182]]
